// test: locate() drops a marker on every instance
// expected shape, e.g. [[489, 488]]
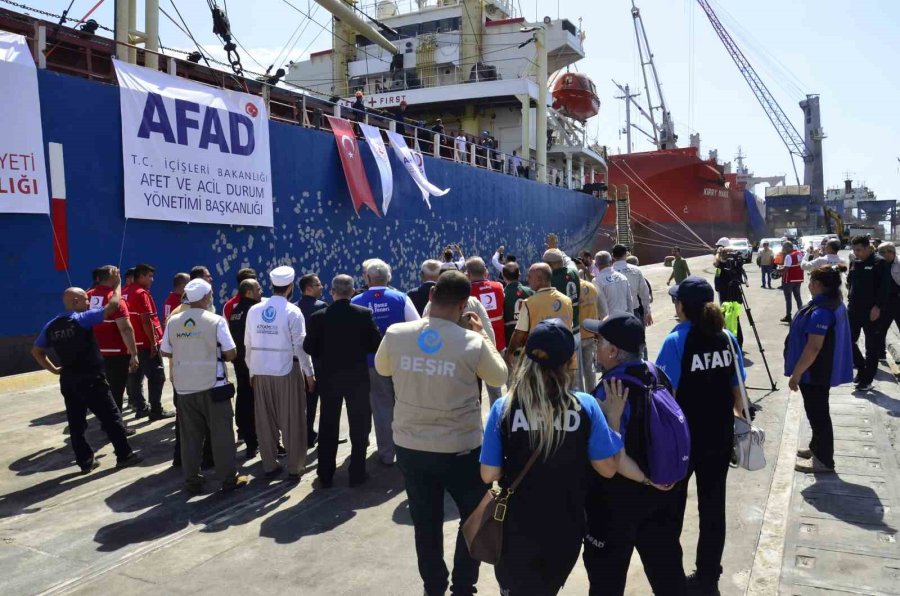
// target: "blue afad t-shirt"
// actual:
[[834, 364], [71, 337], [601, 441], [701, 358], [547, 510]]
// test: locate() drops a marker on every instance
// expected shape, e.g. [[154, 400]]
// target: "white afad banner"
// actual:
[[23, 171], [193, 153]]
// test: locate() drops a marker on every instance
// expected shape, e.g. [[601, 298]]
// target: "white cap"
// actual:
[[282, 276], [197, 289], [723, 241]]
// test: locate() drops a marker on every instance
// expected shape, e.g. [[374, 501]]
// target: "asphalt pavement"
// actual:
[[135, 531]]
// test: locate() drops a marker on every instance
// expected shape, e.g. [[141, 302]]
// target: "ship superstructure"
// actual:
[[478, 66]]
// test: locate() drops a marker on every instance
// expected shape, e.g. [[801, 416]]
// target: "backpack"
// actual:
[[666, 434]]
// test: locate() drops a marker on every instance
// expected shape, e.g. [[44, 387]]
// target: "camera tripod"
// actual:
[[762, 350]]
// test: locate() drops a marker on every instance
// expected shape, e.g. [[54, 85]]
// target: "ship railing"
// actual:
[[475, 152], [382, 9]]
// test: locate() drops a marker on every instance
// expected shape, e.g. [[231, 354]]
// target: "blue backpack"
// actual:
[[666, 434]]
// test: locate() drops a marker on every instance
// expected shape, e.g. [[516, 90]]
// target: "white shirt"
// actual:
[[517, 161], [495, 261], [225, 341], [822, 261], [461, 143], [613, 293], [640, 292], [274, 337]]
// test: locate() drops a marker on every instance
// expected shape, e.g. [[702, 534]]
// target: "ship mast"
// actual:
[[664, 133]]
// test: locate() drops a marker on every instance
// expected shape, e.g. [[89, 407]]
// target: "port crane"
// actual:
[[807, 147]]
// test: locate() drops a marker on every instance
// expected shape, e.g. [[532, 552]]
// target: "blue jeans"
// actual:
[[766, 275]]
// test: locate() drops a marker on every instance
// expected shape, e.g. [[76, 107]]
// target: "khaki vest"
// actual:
[[192, 334], [548, 304]]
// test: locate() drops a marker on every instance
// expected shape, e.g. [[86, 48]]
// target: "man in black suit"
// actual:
[[250, 293], [431, 270], [309, 303], [340, 338]]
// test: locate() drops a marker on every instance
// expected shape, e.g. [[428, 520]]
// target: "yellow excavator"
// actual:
[[834, 224]]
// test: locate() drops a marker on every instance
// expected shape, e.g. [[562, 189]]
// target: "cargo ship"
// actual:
[[676, 197], [315, 227]]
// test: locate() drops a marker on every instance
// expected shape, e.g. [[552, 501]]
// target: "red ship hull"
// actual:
[[672, 190]]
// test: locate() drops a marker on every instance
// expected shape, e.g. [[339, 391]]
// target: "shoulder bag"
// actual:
[[749, 441], [483, 529]]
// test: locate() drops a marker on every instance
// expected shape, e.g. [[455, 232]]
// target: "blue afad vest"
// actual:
[[388, 307], [834, 364]]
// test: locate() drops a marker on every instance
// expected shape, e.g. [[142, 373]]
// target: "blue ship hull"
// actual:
[[316, 229]]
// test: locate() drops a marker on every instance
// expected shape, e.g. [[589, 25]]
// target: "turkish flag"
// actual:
[[348, 148]]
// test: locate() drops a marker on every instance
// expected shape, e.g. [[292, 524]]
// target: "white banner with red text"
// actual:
[[23, 171], [193, 153]]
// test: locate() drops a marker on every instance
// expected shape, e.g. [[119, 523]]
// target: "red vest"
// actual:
[[490, 293], [794, 273], [107, 334]]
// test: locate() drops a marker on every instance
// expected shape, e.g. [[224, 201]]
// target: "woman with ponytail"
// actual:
[[544, 524], [702, 359], [818, 355]]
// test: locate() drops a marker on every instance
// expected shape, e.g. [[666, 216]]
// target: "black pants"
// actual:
[[866, 365], [815, 402], [117, 375], [624, 517], [92, 393], [428, 476], [359, 415], [536, 563], [244, 415], [152, 368], [791, 289], [711, 468]]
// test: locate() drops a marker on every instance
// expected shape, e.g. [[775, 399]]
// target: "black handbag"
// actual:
[[222, 392]]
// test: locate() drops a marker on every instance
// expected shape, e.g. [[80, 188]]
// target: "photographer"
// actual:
[[730, 275]]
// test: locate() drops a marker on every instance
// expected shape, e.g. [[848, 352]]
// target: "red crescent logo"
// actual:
[[252, 110]]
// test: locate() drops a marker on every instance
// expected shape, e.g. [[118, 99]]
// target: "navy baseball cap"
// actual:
[[693, 291], [550, 344], [623, 330]]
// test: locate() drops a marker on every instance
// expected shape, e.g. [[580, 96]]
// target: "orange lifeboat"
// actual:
[[575, 96]]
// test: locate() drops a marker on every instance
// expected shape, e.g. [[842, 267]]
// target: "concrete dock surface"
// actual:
[[135, 531]]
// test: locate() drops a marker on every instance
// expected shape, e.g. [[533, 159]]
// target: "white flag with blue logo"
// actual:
[[379, 152], [415, 165]]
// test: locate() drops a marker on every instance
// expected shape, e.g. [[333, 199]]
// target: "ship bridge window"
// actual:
[[568, 26], [414, 30]]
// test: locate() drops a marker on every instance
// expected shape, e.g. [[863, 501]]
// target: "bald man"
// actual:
[[546, 303], [81, 378]]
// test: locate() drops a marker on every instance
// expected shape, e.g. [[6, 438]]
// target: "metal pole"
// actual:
[[151, 31], [541, 119], [628, 119], [122, 29], [41, 46], [132, 27]]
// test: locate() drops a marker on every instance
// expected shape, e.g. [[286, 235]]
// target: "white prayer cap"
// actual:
[[197, 289], [282, 276]]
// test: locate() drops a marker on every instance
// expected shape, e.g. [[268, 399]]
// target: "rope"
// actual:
[[122, 248], [59, 248], [646, 187], [684, 239], [45, 13]]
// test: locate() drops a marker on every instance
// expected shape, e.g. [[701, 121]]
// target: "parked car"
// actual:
[[741, 246]]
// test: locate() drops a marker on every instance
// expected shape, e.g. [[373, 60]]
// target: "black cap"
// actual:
[[623, 330], [692, 291], [550, 344]]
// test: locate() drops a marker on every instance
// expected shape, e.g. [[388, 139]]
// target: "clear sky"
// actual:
[[844, 51]]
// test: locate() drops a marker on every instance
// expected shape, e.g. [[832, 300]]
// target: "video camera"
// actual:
[[730, 260]]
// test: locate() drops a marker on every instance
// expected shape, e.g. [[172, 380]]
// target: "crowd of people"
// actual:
[[415, 364]]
